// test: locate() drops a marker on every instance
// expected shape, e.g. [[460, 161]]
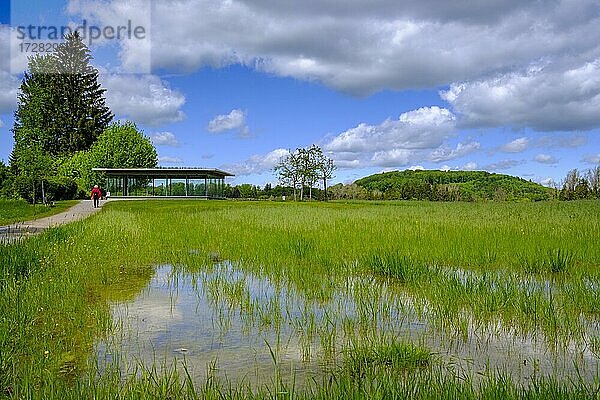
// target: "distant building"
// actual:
[[164, 182]]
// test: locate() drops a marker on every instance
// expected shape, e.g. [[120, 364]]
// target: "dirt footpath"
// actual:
[[81, 210]]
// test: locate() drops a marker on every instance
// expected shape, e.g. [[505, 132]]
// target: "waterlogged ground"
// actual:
[[356, 300], [255, 330]]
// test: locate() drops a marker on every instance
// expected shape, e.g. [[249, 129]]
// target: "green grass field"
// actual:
[[12, 211], [484, 270]]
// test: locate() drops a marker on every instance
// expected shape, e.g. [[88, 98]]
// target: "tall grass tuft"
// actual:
[[553, 261], [392, 357], [392, 264]]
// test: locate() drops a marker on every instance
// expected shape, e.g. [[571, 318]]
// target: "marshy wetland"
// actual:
[[277, 300]]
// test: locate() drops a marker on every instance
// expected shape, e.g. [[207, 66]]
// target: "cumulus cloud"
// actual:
[[362, 47], [390, 158], [445, 153], [592, 159], [545, 98], [164, 139], [393, 142], [143, 98], [546, 159], [470, 166], [543, 72], [548, 182], [502, 165], [563, 140], [516, 146], [9, 86], [234, 121], [135, 52], [169, 160], [257, 164]]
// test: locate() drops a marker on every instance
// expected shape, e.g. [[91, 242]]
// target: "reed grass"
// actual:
[[533, 267]]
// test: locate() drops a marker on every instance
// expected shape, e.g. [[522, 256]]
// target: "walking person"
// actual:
[[96, 195]]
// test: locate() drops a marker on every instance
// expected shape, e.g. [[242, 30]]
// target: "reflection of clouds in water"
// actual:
[[222, 313], [158, 303], [190, 311], [149, 319], [158, 309]]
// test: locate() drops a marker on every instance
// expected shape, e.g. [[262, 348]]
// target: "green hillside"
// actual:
[[451, 186]]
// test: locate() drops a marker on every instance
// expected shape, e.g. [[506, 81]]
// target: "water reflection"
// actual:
[[251, 329]]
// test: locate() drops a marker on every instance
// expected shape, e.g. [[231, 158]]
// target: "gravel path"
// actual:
[[81, 210]]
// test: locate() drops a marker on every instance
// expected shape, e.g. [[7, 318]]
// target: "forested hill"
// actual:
[[451, 186]]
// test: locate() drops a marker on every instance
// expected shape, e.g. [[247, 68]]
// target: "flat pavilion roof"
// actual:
[[165, 172]]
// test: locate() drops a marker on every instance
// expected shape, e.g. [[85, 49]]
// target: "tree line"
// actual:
[[466, 186], [581, 185], [63, 128]]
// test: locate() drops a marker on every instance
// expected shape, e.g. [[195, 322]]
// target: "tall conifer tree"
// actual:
[[60, 102]]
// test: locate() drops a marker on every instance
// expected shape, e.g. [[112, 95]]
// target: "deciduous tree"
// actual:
[[304, 167], [121, 145], [61, 107]]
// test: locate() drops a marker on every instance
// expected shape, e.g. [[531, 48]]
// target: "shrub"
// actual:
[[61, 188]]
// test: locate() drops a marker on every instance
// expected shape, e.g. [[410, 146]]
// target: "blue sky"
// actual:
[[510, 87]]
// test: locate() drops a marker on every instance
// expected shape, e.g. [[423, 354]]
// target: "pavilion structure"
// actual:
[[164, 182]]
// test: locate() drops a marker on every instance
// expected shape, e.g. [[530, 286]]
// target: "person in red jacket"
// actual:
[[96, 195]]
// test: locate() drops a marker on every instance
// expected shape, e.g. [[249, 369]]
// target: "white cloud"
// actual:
[[592, 159], [445, 153], [516, 146], [502, 164], [169, 160], [145, 99], [362, 47], [164, 139], [1, 124], [135, 51], [390, 158], [234, 121], [551, 97], [470, 166], [9, 86], [543, 72], [416, 168], [548, 182], [546, 159], [393, 142], [563, 140], [257, 164]]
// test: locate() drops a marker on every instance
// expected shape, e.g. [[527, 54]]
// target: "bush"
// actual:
[[23, 187], [56, 188], [61, 188]]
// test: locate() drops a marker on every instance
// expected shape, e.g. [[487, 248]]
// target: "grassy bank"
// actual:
[[533, 268], [12, 211]]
